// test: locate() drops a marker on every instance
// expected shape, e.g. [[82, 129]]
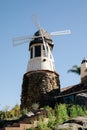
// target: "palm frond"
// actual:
[[75, 69]]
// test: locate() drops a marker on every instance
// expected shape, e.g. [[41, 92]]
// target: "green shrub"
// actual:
[[48, 108], [80, 110], [52, 119], [61, 113], [24, 111], [73, 111], [42, 125], [76, 110]]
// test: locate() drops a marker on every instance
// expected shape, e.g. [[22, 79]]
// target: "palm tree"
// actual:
[[75, 69]]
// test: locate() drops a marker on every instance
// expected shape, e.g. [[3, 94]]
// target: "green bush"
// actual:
[[76, 110], [80, 110], [24, 112], [42, 125], [73, 111], [52, 119], [61, 113], [48, 108]]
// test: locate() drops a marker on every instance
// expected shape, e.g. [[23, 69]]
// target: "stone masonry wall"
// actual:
[[39, 87], [84, 80]]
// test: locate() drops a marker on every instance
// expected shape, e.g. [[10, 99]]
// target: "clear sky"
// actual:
[[54, 15]]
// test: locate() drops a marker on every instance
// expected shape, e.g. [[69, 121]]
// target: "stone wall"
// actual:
[[84, 80], [81, 99], [39, 87]]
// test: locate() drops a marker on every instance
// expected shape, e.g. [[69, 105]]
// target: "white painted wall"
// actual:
[[38, 63], [83, 69], [43, 62]]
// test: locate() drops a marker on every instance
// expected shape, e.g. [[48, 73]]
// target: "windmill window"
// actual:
[[37, 51], [31, 53]]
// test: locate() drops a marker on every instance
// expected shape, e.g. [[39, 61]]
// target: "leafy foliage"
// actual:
[[76, 110], [48, 108], [42, 125], [75, 69], [24, 111], [61, 113], [10, 114], [58, 115], [73, 111], [80, 111], [52, 119]]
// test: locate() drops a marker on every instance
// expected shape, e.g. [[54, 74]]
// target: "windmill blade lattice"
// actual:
[[64, 32]]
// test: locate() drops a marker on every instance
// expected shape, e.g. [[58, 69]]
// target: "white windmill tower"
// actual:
[[40, 48], [41, 80]]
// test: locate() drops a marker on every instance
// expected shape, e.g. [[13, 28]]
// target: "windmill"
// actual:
[[42, 34], [41, 77]]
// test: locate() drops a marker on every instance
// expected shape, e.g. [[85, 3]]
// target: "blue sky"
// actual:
[[54, 15]]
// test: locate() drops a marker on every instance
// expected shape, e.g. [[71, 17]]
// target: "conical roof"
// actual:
[[43, 34], [84, 60]]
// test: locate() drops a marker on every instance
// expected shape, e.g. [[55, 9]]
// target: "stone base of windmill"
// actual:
[[39, 87]]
